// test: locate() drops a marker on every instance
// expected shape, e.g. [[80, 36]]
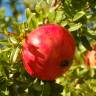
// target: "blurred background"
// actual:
[[13, 8]]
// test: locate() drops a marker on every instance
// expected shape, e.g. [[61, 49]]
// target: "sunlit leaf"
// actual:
[[78, 15], [4, 42], [51, 15], [4, 50], [28, 12], [64, 23], [75, 27], [14, 54], [59, 16], [13, 40]]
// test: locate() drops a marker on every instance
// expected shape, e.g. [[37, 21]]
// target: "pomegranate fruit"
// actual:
[[48, 51], [90, 58]]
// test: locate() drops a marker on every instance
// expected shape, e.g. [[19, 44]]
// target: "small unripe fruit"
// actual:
[[90, 58], [48, 51]]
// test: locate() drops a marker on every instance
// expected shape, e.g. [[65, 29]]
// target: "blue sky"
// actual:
[[19, 7]]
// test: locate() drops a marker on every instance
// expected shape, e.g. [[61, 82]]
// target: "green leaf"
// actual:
[[38, 8], [91, 83], [64, 23], [1, 70], [32, 21], [56, 89], [67, 9], [4, 50], [91, 35], [5, 92], [28, 12], [13, 40], [2, 12], [75, 27], [46, 89], [37, 86], [59, 16], [4, 42], [49, 1], [51, 15], [85, 42], [78, 15], [14, 55]]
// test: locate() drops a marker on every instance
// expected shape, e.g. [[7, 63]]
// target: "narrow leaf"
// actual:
[[64, 23], [85, 42], [78, 15], [91, 35], [28, 12], [75, 27], [13, 40], [4, 42], [4, 50], [14, 54]]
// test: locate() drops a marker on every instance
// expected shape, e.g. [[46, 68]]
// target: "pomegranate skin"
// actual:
[[90, 58], [48, 51]]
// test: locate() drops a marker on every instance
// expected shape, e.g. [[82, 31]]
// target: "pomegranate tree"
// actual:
[[48, 51]]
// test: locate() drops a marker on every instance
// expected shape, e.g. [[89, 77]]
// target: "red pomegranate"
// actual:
[[48, 51]]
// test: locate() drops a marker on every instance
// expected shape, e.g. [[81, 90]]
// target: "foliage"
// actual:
[[78, 16]]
